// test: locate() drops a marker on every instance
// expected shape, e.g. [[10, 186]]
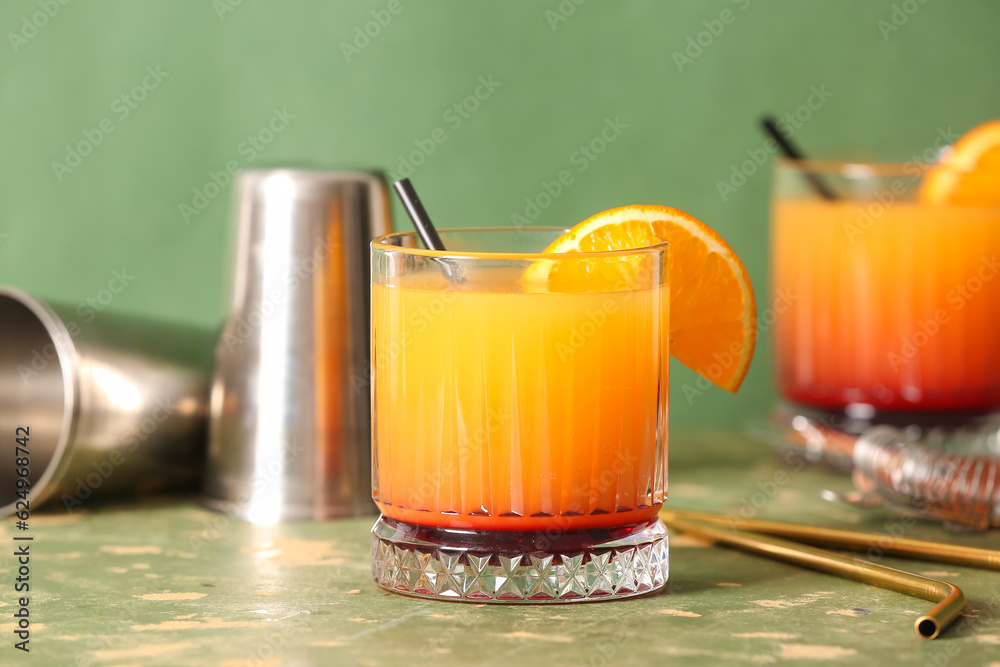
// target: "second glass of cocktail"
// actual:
[[886, 296], [519, 418]]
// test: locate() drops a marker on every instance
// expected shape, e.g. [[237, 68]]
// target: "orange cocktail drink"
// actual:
[[888, 301], [519, 431]]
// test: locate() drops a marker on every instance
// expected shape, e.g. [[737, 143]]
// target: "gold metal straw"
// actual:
[[850, 540], [950, 599]]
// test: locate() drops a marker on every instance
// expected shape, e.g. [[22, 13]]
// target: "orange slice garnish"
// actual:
[[713, 314], [969, 173]]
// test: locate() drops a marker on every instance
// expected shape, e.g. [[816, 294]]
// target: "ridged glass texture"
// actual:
[[518, 393]]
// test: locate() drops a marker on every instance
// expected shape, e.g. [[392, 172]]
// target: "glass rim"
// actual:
[[379, 243], [868, 168]]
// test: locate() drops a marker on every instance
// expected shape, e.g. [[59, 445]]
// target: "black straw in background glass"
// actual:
[[425, 228], [792, 152], [417, 213]]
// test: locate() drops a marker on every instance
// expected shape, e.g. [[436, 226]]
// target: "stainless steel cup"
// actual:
[[110, 406], [290, 434]]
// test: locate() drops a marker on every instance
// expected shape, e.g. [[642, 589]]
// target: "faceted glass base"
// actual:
[[516, 567]]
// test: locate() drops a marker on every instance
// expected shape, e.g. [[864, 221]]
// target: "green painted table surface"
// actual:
[[168, 583]]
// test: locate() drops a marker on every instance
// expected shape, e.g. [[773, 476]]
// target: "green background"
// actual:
[[688, 123]]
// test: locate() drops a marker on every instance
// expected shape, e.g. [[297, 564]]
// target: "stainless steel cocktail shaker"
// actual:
[[290, 427], [113, 406]]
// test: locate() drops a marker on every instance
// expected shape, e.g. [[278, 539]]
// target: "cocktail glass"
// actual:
[[519, 425], [883, 306]]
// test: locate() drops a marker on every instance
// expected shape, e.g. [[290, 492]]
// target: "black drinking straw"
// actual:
[[789, 149], [422, 221], [425, 228]]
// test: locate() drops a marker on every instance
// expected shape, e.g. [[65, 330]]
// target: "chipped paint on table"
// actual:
[[169, 583]]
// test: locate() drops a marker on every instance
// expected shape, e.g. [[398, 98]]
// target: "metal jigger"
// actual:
[[290, 429]]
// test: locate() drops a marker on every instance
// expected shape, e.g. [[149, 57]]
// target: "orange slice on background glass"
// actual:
[[713, 314], [969, 172]]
